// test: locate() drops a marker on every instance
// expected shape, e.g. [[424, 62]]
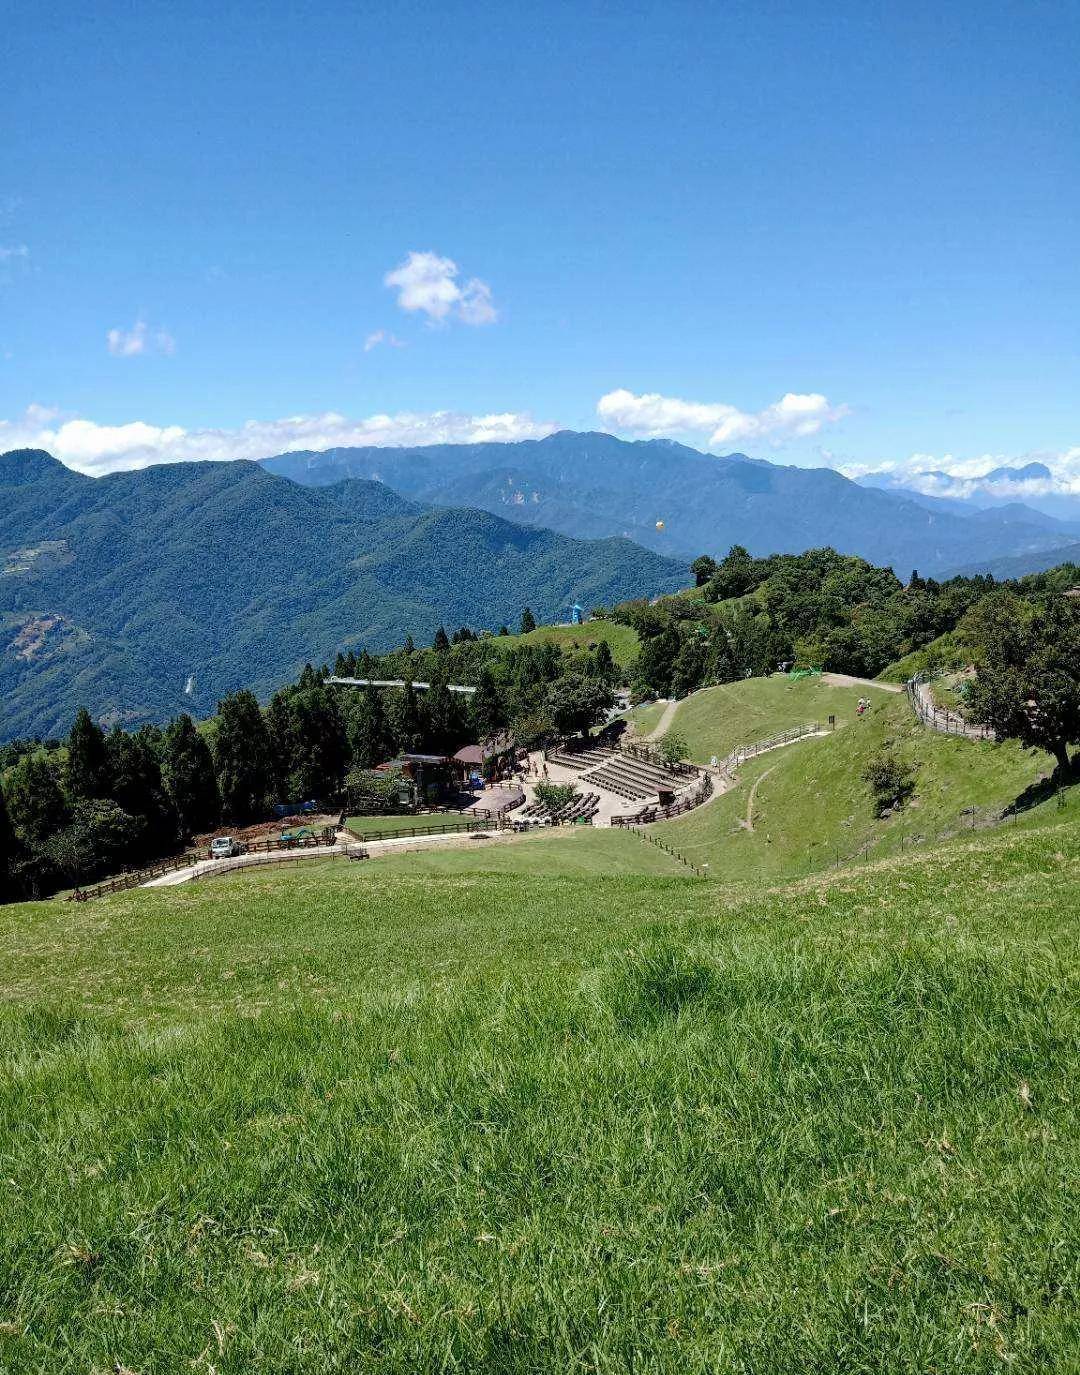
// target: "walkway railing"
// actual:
[[686, 803], [784, 737], [940, 718]]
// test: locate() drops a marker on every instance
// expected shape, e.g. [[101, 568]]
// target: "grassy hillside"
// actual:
[[513, 1124], [810, 802], [622, 639], [577, 851], [717, 719]]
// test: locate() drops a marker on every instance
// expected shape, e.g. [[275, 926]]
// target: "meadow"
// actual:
[[347, 1118], [621, 639], [717, 719], [807, 805]]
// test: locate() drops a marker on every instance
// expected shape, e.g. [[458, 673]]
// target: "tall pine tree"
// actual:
[[87, 771], [243, 760], [188, 773]]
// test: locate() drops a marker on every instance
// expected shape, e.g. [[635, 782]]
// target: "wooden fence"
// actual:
[[137, 877]]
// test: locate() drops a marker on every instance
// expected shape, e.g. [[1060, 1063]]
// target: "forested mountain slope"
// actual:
[[594, 485], [146, 593]]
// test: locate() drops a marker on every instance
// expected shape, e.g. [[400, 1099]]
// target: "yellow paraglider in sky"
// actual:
[[659, 524]]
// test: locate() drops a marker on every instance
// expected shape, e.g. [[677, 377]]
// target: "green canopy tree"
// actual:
[[35, 800], [10, 854], [528, 621], [87, 771], [487, 708], [1027, 671], [137, 788], [442, 721], [99, 839], [578, 702], [243, 757], [187, 771], [441, 643], [307, 737], [406, 724], [367, 730]]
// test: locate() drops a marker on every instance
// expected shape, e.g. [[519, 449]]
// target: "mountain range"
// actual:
[[678, 501], [147, 593]]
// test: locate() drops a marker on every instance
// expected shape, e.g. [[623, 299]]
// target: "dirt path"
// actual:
[[664, 724], [848, 680], [749, 823]]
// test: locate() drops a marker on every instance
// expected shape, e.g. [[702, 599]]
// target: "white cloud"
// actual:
[[794, 416], [429, 284], [382, 336], [966, 478], [11, 252], [95, 449], [139, 339]]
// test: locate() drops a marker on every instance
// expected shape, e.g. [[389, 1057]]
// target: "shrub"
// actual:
[[554, 796], [891, 779]]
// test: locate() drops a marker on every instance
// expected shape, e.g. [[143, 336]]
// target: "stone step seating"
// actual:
[[632, 778], [580, 809], [579, 760]]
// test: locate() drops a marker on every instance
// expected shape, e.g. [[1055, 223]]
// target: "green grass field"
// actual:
[[623, 639], [811, 805], [717, 719], [353, 1120], [568, 851]]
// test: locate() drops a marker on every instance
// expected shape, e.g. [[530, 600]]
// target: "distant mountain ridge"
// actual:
[[592, 485], [116, 591]]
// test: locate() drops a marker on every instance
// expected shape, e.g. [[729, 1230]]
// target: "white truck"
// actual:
[[225, 847]]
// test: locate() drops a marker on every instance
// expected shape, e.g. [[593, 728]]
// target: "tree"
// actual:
[[578, 702], [1027, 678], [528, 621], [87, 770], [603, 665], [187, 771], [673, 747], [441, 643], [10, 853], [372, 792], [504, 630], [35, 802], [703, 569], [308, 740], [554, 796], [97, 840], [367, 732], [441, 720], [735, 575], [487, 709], [137, 788], [892, 781], [243, 758], [405, 723]]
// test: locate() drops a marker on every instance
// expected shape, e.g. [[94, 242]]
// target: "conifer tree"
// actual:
[[243, 760], [87, 771], [187, 771]]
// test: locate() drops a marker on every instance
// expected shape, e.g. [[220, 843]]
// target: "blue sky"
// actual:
[[874, 208]]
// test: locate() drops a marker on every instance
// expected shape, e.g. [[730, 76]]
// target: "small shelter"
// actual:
[[576, 614], [490, 759]]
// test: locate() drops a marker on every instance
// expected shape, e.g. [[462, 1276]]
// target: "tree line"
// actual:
[[73, 810]]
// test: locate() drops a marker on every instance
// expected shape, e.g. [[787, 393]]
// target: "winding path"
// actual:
[[753, 793], [664, 724]]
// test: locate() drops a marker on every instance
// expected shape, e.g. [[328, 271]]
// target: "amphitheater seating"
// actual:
[[579, 760], [580, 810], [632, 778]]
